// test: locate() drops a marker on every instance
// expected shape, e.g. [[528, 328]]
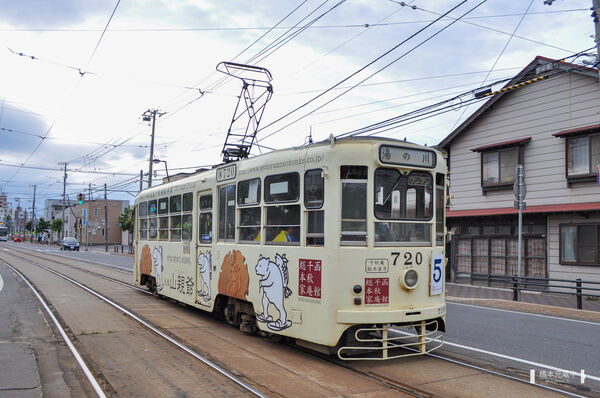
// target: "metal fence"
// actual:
[[555, 286], [123, 249]]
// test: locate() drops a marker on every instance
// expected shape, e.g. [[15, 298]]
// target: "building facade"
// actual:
[[87, 222], [547, 120]]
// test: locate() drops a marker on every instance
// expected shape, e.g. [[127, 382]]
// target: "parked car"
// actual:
[[18, 238], [69, 244]]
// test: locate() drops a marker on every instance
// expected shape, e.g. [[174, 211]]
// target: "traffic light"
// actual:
[[79, 198]]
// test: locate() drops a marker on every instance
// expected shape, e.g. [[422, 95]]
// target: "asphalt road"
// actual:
[[100, 257], [567, 344]]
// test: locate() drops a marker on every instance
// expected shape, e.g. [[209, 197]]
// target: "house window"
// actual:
[[499, 162], [579, 244], [583, 155], [498, 167]]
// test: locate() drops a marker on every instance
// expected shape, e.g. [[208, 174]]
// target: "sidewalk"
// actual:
[[498, 297]]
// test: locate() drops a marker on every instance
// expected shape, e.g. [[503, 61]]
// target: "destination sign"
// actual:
[[226, 173], [407, 156]]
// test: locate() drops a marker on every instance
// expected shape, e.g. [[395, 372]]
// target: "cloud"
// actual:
[[45, 14]]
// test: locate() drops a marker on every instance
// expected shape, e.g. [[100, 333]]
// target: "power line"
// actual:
[[243, 28], [437, 109], [22, 166], [497, 59], [369, 64], [101, 37]]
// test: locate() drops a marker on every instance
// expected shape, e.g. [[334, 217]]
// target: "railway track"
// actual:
[[91, 374], [379, 377]]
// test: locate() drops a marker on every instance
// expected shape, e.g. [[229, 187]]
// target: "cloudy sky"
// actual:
[[73, 91]]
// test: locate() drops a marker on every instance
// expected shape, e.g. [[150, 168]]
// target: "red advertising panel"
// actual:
[[309, 278], [377, 290]]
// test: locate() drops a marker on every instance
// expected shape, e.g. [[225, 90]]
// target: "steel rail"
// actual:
[[82, 364], [154, 329], [494, 372]]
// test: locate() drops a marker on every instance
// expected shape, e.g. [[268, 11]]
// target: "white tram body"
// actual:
[[331, 245]]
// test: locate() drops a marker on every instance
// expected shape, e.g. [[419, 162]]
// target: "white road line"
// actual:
[[524, 313], [1, 283], [495, 354]]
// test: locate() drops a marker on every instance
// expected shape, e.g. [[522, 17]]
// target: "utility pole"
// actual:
[[596, 15], [90, 191], [105, 221], [520, 190], [147, 116], [62, 229], [141, 180], [33, 215]]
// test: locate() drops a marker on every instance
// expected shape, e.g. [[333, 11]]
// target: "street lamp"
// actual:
[[156, 161]]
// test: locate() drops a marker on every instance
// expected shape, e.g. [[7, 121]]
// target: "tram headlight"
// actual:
[[410, 279]]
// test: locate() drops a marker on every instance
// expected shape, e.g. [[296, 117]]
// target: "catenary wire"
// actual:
[[376, 72]]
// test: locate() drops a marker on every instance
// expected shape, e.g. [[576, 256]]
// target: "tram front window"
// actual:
[[403, 197]]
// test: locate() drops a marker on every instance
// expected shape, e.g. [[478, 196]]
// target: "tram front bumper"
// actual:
[[372, 316]]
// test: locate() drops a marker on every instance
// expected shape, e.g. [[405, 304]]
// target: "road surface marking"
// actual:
[[495, 354], [526, 313], [1, 283]]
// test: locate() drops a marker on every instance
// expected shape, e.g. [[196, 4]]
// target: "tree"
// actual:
[[127, 220], [43, 225], [56, 225], [29, 226]]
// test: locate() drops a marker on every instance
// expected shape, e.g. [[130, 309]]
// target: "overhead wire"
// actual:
[[344, 26], [497, 59], [240, 53], [366, 26], [366, 66], [435, 109], [68, 98], [283, 39]]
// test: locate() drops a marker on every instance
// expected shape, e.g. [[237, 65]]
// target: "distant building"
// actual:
[[86, 222], [4, 209], [53, 210], [546, 119]]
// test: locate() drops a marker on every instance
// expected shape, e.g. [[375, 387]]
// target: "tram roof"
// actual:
[[202, 173]]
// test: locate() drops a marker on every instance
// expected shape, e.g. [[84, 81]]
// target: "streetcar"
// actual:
[[337, 246], [3, 234]]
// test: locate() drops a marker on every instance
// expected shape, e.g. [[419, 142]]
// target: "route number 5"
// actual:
[[437, 275]]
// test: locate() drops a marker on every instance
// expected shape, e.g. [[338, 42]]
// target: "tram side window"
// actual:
[[205, 218], [163, 219], [187, 218], [152, 230], [314, 195], [283, 225], [248, 194], [354, 205], [163, 206], [282, 188], [227, 213], [143, 221], [175, 214], [440, 208]]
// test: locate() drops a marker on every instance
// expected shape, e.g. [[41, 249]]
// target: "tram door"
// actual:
[[204, 240]]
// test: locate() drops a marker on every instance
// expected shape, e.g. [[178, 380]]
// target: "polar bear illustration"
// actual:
[[157, 255], [204, 271], [274, 283]]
